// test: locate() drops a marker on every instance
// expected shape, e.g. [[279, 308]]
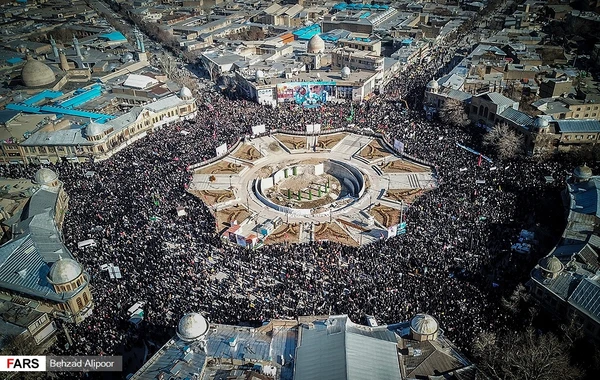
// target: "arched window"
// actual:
[[85, 298], [79, 303]]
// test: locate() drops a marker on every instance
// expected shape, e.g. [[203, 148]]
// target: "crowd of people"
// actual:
[[454, 262]]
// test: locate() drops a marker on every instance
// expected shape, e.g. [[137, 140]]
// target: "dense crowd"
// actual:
[[454, 261]]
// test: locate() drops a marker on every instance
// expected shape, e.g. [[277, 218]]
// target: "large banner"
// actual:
[[221, 149], [258, 129], [305, 93]]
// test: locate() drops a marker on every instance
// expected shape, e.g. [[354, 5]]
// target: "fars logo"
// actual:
[[22, 363]]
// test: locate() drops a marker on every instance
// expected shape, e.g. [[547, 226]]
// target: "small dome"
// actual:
[[192, 326], [94, 129], [424, 324], [64, 270], [315, 45], [551, 264], [541, 122], [126, 57], [259, 74], [345, 72], [36, 74], [45, 176], [582, 172], [185, 93], [433, 84]]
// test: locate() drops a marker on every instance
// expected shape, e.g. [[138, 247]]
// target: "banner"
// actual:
[[313, 128], [240, 240], [221, 149], [399, 145], [392, 231], [258, 129], [305, 93]]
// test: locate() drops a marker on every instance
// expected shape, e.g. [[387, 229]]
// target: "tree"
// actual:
[[453, 112], [524, 355], [167, 64], [504, 140]]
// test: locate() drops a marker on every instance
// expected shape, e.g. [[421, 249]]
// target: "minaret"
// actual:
[[139, 39], [77, 47], [54, 48], [64, 65]]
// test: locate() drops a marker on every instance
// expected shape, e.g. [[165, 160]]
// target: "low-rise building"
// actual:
[[566, 282], [58, 139], [36, 268], [293, 349]]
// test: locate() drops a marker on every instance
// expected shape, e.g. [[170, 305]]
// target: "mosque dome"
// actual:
[[315, 45], [185, 93], [45, 176], [551, 264], [94, 129], [582, 172], [345, 72], [540, 122], [433, 84], [36, 74], [424, 324], [64, 270], [192, 326]]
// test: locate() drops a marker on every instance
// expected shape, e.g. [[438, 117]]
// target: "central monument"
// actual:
[[311, 187]]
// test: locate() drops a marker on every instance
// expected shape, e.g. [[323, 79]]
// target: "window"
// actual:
[[79, 303], [579, 137], [85, 298], [594, 114], [578, 109], [586, 115], [576, 116], [590, 137]]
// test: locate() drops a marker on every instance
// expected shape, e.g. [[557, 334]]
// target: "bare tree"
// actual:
[[524, 355], [453, 112], [544, 145], [211, 68], [167, 64], [514, 303], [504, 140]]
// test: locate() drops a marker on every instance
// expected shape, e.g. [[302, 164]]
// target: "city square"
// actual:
[[331, 186]]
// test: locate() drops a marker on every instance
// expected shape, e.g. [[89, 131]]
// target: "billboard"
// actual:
[[221, 149], [305, 93]]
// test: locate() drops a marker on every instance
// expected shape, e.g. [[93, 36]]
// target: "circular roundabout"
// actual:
[[280, 188]]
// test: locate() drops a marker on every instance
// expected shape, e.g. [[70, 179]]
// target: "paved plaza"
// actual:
[[381, 185]]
